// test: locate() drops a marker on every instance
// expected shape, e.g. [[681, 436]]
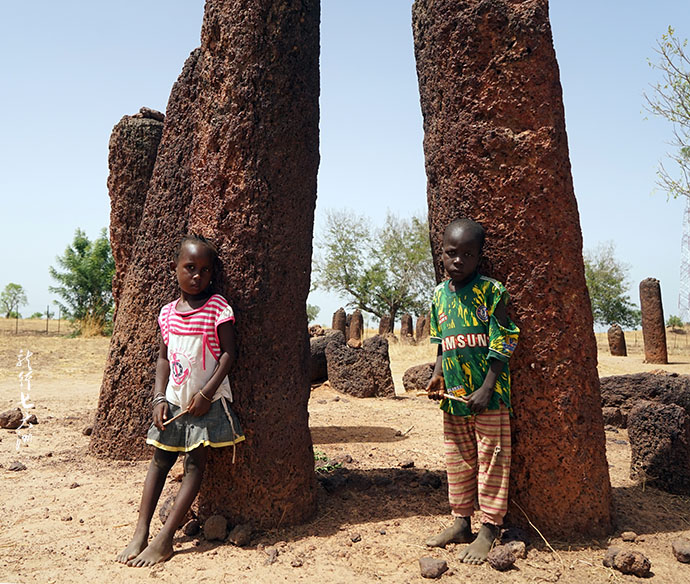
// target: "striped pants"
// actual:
[[477, 452]]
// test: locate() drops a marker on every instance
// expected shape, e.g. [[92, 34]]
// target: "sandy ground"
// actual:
[[66, 516]]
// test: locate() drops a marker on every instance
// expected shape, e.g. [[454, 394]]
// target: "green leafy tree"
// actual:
[[674, 322], [37, 315], [312, 312], [85, 279], [670, 99], [607, 282], [384, 270], [11, 299]]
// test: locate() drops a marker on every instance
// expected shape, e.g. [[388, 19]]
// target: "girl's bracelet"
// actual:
[[208, 399], [159, 399]]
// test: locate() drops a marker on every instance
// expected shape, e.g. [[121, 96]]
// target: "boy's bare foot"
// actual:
[[459, 532], [159, 550], [133, 549], [476, 552]]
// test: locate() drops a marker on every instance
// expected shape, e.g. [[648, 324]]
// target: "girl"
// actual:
[[189, 401]]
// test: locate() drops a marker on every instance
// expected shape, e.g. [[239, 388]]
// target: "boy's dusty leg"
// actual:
[[160, 466], [476, 552], [459, 532], [160, 549]]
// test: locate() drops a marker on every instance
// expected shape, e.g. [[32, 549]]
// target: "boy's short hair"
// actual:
[[476, 229]]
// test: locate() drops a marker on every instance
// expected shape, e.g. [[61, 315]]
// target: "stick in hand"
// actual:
[[448, 396], [175, 417]]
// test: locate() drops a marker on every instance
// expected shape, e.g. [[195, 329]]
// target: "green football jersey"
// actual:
[[463, 323]]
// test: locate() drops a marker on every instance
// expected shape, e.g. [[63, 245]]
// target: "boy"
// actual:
[[476, 339]]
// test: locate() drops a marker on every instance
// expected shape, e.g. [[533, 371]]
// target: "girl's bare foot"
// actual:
[[459, 532], [476, 552], [133, 549], [159, 550]]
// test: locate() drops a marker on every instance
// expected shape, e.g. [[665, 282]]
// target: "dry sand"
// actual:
[[67, 515]]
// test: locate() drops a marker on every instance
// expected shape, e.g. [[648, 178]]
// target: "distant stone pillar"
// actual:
[[496, 151], [385, 325], [252, 127], [132, 153], [427, 325], [406, 330], [617, 341], [419, 328], [355, 329], [339, 320], [653, 328]]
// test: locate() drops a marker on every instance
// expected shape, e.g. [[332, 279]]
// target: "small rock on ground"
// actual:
[[215, 527], [501, 558], [611, 553], [192, 527], [629, 562], [681, 550], [16, 466], [241, 535], [518, 548], [628, 536], [407, 464], [432, 567]]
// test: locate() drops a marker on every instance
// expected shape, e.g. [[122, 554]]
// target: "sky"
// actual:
[[72, 69]]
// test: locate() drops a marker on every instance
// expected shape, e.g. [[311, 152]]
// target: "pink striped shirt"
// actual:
[[193, 347]]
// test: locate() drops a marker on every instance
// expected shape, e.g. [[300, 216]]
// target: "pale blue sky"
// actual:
[[72, 69]]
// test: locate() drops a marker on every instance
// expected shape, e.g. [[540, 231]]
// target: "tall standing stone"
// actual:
[[406, 329], [339, 320], [419, 328], [653, 328], [496, 151], [616, 339], [355, 329], [253, 166], [385, 325], [132, 153]]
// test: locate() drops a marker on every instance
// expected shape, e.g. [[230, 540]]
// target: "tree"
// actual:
[[381, 270], [670, 99], [312, 312], [86, 281], [11, 298], [675, 322], [607, 282]]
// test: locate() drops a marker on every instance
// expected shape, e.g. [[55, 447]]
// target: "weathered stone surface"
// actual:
[[617, 341], [11, 419], [496, 151], [237, 162], [192, 527], [609, 556], [653, 327], [167, 507], [518, 548], [417, 378], [681, 550], [355, 329], [631, 562], [623, 392], [386, 325], [215, 527], [316, 330], [319, 369], [427, 325], [16, 466], [363, 372], [406, 329], [628, 536], [501, 558], [432, 567], [132, 153], [340, 321], [660, 446], [419, 328]]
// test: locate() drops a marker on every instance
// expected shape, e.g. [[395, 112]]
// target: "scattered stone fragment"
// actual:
[[272, 553], [297, 563], [74, 485], [681, 550], [501, 558], [343, 458], [16, 466], [518, 548], [67, 518], [407, 464], [87, 430], [630, 562], [167, 507], [316, 330], [11, 419], [628, 536], [32, 419], [610, 554], [241, 535], [432, 567], [382, 531], [430, 479], [355, 537], [215, 527], [192, 527]]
